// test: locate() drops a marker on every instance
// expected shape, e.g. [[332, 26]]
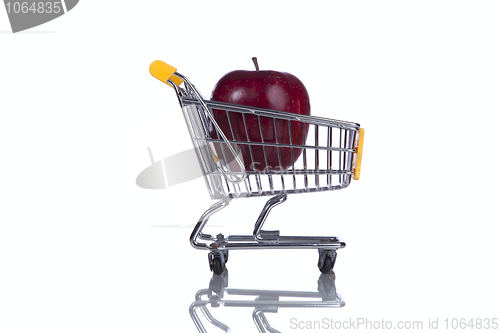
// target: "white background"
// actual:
[[83, 249]]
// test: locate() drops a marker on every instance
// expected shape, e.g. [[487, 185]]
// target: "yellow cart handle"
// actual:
[[164, 72], [359, 153]]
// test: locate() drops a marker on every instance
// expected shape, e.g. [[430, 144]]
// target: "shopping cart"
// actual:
[[327, 159]]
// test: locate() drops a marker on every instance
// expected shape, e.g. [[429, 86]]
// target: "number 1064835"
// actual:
[[40, 7]]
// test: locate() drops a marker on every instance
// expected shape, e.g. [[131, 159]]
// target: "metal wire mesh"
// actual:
[[322, 161]]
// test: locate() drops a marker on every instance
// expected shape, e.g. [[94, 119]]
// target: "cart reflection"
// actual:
[[262, 301]]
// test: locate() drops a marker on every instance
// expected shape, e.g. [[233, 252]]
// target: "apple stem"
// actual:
[[254, 59]]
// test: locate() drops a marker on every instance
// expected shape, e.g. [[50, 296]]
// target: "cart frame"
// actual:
[[226, 178]]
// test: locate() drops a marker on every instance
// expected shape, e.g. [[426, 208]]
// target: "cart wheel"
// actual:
[[217, 264], [326, 265]]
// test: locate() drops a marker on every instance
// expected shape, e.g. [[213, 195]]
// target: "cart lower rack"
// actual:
[[234, 165]]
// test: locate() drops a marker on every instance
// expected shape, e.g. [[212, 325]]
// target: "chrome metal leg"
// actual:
[[197, 231], [267, 236], [219, 245]]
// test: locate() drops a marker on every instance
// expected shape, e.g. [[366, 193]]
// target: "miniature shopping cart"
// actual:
[[327, 159]]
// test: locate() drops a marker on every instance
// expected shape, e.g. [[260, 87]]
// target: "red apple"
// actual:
[[268, 90]]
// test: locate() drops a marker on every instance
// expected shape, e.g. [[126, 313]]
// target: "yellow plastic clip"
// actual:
[[359, 153], [164, 72]]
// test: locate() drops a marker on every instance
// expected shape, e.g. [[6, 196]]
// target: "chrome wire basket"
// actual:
[[235, 164]]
